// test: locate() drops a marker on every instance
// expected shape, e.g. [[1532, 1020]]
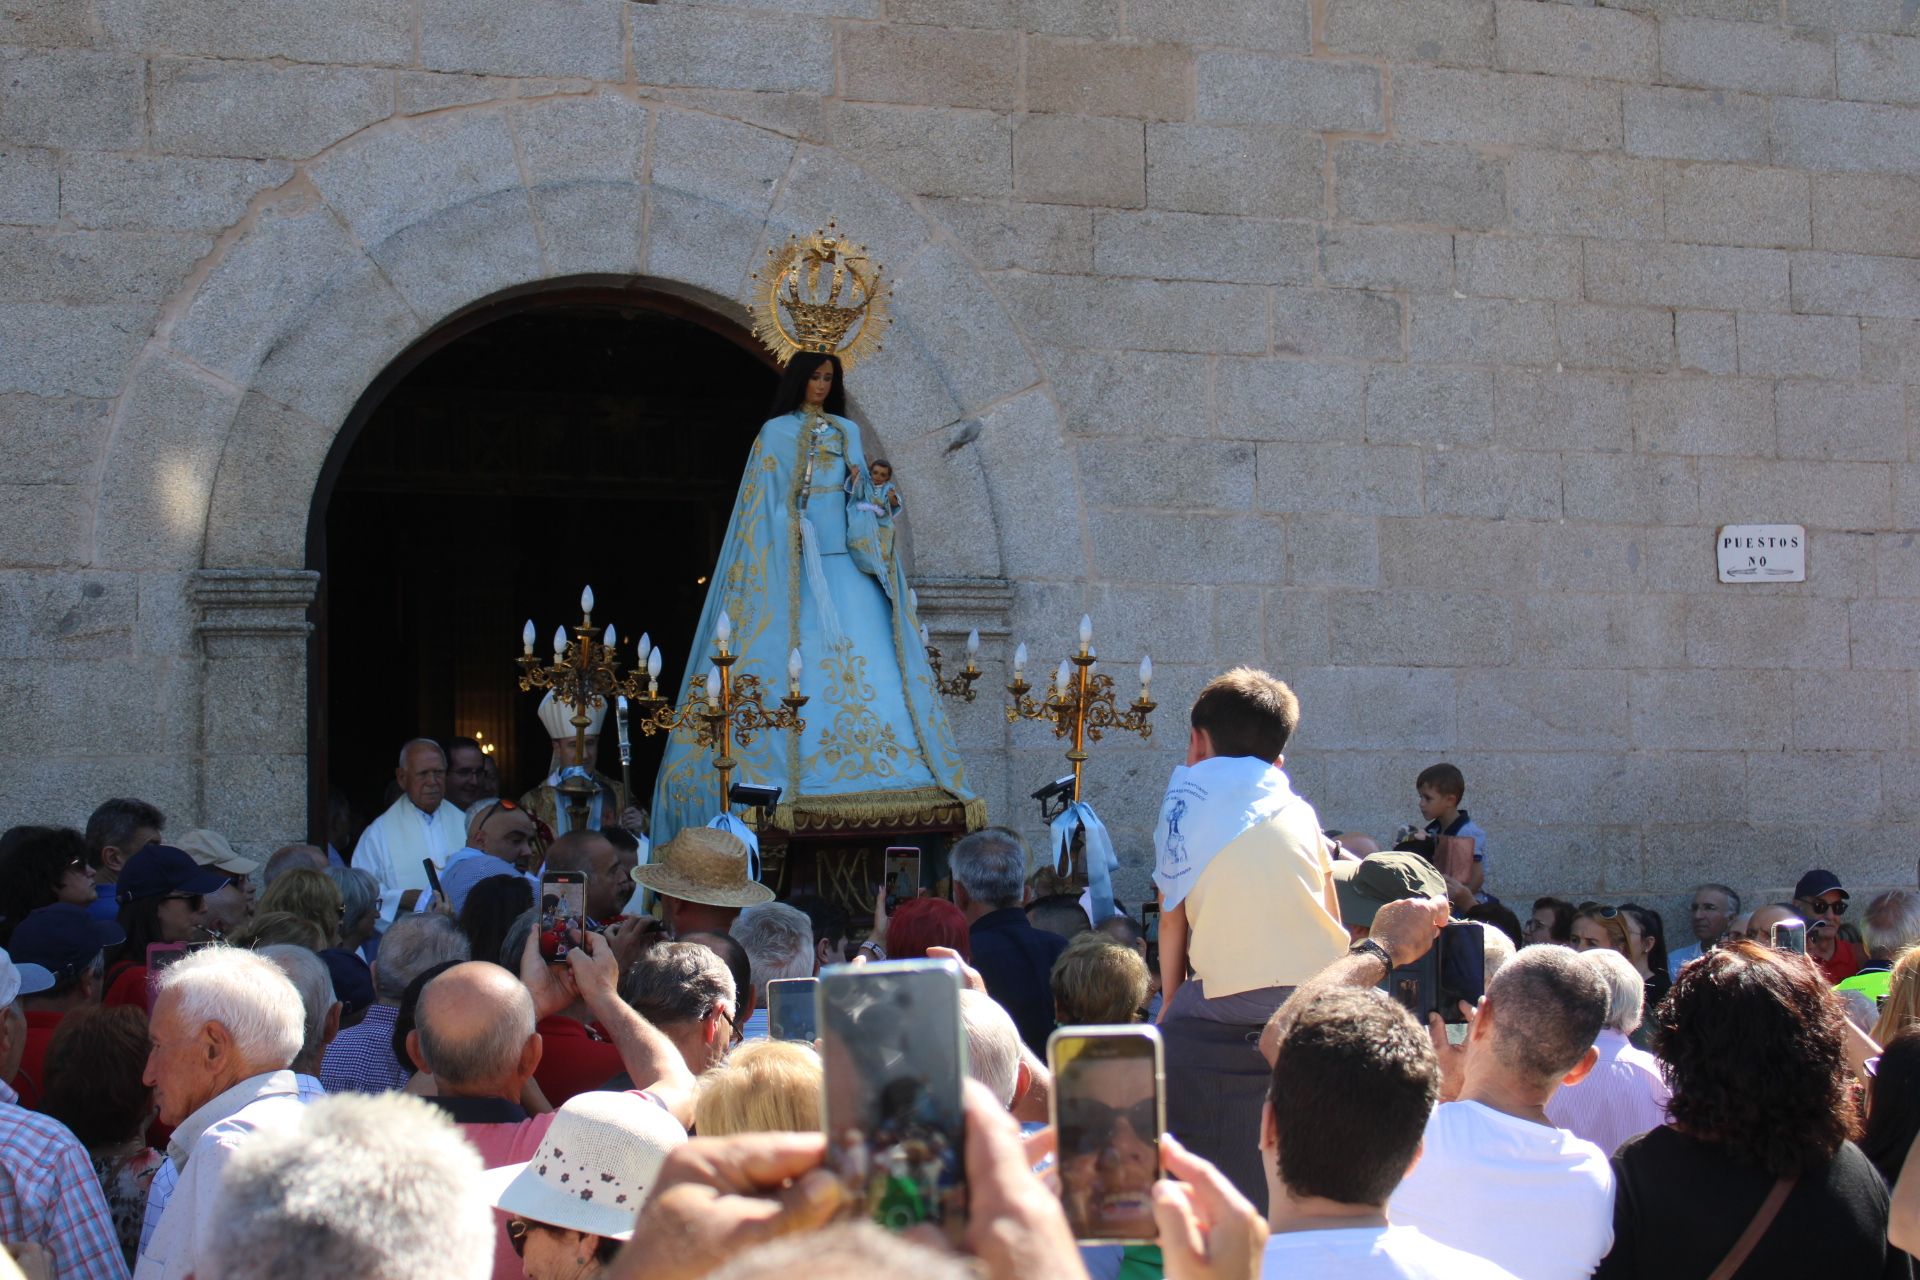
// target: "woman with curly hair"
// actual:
[[1755, 1048]]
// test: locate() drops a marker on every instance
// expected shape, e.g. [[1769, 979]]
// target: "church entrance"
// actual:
[[587, 436]]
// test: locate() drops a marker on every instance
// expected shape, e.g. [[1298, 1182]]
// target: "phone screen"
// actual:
[[903, 875], [790, 1009], [1108, 1111], [895, 1057], [563, 912]]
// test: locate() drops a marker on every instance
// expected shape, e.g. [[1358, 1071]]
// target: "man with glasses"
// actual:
[[421, 826], [467, 773], [1710, 916], [1822, 902], [501, 841]]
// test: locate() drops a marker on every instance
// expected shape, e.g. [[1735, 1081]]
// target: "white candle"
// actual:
[[646, 647], [1063, 677], [608, 637], [586, 599], [1019, 659], [795, 666], [1086, 630], [723, 630], [1146, 673], [973, 642], [653, 665], [526, 636], [559, 641], [713, 686]]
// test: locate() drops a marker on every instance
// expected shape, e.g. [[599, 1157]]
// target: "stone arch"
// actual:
[[229, 415], [232, 409]]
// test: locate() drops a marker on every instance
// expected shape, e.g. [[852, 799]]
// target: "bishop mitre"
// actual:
[[611, 805]]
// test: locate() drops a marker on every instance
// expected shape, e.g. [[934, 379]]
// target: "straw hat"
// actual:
[[592, 1171], [704, 865]]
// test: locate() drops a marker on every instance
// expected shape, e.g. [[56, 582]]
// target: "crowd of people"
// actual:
[[222, 1066]]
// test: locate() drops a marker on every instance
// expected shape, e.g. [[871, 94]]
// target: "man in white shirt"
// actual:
[[1498, 1179], [1354, 1079], [1625, 1095], [226, 1028], [422, 824]]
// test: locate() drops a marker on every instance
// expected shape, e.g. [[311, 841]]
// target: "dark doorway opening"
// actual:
[[535, 446]]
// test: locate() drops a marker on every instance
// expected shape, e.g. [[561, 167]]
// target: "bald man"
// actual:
[[609, 869], [473, 1033]]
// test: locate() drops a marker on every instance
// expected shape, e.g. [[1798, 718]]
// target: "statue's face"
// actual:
[[882, 474], [820, 383]]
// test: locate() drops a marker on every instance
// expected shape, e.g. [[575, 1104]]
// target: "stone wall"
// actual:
[[1413, 348]]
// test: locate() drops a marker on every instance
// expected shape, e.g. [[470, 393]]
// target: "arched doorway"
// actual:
[[570, 436]]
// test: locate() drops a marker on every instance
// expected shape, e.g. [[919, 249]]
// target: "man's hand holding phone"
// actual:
[[1408, 928]]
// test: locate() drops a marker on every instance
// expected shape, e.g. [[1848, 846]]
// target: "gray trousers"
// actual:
[[1217, 1081]]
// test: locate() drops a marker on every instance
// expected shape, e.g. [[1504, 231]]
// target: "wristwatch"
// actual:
[[1368, 947]]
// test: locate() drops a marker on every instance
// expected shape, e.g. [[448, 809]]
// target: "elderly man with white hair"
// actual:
[[421, 826], [1624, 1095], [226, 1028], [779, 944], [373, 1188]]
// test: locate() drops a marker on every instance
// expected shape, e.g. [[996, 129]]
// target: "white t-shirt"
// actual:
[[1370, 1253], [1537, 1201]]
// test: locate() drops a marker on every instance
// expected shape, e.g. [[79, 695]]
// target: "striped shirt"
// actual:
[[50, 1195], [1623, 1097]]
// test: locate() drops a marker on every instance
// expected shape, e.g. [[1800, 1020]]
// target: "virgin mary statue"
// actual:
[[806, 568]]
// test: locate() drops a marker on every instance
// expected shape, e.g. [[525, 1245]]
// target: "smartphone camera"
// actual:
[[1108, 1113], [563, 913]]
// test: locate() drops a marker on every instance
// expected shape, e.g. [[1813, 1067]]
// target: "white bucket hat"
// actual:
[[592, 1171]]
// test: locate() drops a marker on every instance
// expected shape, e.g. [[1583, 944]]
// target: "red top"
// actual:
[[28, 1083], [1844, 963], [504, 1144], [576, 1057], [129, 988]]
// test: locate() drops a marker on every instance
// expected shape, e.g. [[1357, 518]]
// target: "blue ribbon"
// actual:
[[727, 822], [1102, 862]]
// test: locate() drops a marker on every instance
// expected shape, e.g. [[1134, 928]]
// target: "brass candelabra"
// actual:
[[730, 708], [1081, 702], [584, 674], [959, 685]]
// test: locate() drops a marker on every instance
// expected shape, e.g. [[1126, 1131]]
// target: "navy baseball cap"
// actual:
[[160, 870], [63, 939], [1817, 882]]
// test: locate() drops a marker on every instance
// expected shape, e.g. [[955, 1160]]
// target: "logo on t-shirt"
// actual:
[[1176, 844]]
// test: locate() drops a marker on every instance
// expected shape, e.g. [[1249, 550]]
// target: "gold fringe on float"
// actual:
[[923, 807]]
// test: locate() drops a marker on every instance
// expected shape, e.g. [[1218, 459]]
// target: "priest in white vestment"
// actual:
[[422, 824]]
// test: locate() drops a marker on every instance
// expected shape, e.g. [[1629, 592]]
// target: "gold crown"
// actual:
[[819, 293]]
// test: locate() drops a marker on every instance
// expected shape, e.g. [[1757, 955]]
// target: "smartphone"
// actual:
[[433, 876], [1453, 970], [159, 956], [903, 874], [895, 1058], [790, 1009], [1790, 935], [1150, 921], [563, 912], [1109, 1110]]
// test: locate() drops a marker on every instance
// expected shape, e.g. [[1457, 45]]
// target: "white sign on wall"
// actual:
[[1762, 553]]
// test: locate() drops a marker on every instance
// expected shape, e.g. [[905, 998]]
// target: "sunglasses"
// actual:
[[194, 901], [517, 1229], [1091, 1124], [1595, 909], [1821, 907]]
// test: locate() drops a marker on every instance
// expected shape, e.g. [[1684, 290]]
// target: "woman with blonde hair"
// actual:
[[764, 1086], [1901, 1008], [311, 895]]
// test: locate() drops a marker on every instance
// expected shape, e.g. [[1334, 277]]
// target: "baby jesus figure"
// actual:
[[872, 502], [881, 496]]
